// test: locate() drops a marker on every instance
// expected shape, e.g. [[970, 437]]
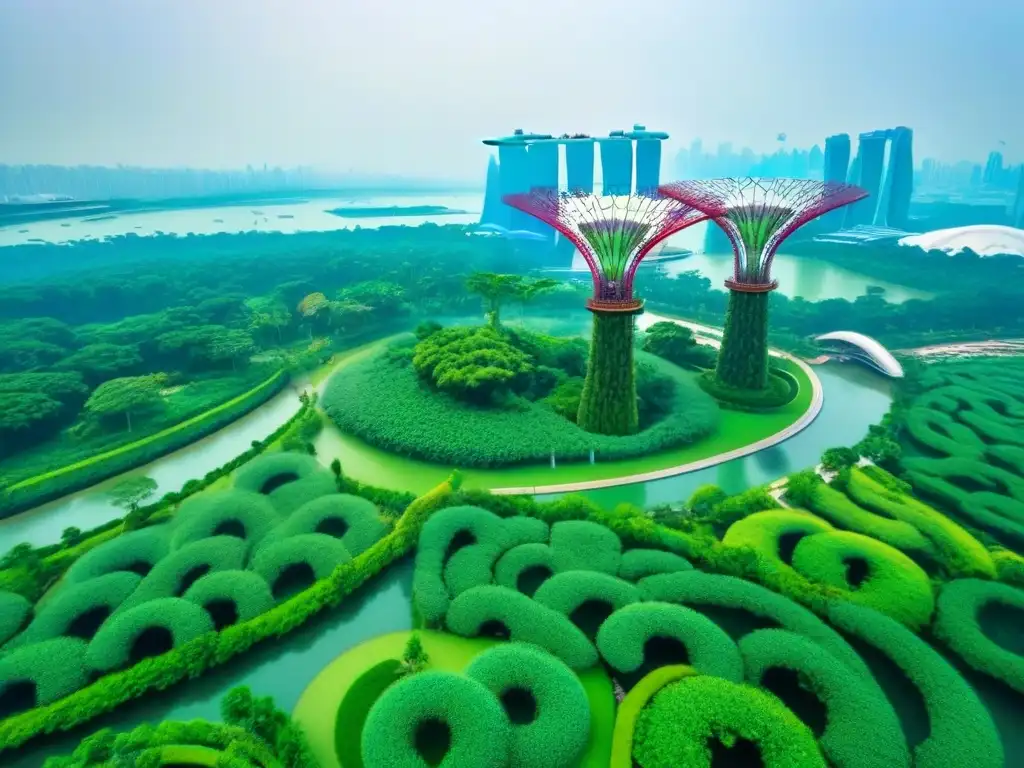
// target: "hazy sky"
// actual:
[[410, 86]]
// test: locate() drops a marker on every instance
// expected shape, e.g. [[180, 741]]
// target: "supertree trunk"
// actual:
[[608, 405], [743, 359]]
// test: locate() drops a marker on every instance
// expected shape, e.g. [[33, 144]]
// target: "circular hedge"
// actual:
[[873, 573], [242, 514], [41, 673], [403, 720], [774, 534], [229, 597], [632, 705], [407, 417], [958, 624], [623, 639], [513, 615], [135, 551], [355, 521], [298, 561], [80, 609], [288, 479], [544, 701], [150, 629], [861, 728], [686, 719], [173, 575], [525, 568], [782, 388], [569, 591], [355, 706], [14, 612], [637, 564], [581, 545]]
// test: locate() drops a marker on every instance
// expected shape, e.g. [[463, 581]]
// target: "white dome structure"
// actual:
[[856, 346], [983, 239]]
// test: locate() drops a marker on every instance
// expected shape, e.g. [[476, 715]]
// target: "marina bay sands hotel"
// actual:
[[533, 161]]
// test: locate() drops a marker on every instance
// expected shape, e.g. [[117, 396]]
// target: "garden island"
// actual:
[[283, 610]]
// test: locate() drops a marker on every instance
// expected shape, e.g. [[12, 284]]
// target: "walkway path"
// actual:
[[817, 399]]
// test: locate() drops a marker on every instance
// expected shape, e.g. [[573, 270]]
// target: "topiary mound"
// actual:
[[229, 597], [436, 718], [638, 564], [14, 613], [41, 673], [79, 610], [353, 520], [293, 564], [176, 573], [632, 705], [242, 514], [543, 700], [694, 721], [355, 707], [148, 630], [586, 598], [412, 418], [982, 622], [289, 480], [525, 568], [857, 728], [136, 551]]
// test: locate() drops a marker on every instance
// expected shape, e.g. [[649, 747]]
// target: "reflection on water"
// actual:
[[279, 668]]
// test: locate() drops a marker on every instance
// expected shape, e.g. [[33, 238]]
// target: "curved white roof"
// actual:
[[881, 356], [983, 239]]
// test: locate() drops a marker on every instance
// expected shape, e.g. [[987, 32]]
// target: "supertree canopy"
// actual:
[[757, 215], [613, 233]]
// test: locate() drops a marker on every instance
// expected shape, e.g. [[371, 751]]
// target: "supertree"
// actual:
[[757, 215], [613, 233]]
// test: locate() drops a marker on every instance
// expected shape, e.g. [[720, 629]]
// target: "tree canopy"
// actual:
[[102, 361], [122, 397], [471, 363]]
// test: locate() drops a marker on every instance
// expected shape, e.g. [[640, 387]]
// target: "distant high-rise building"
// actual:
[[893, 205], [1018, 206], [495, 211], [579, 165], [867, 171], [514, 162], [837, 158], [993, 168], [648, 158], [616, 164]]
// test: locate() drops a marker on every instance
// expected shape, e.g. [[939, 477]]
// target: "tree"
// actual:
[[835, 459], [427, 328], [495, 289], [474, 364], [129, 493], [70, 536], [314, 307], [530, 288], [23, 412], [231, 345], [801, 487], [383, 295], [28, 354], [414, 658], [336, 468], [703, 500], [346, 315], [100, 362], [671, 341], [122, 397], [268, 316], [67, 388], [882, 450]]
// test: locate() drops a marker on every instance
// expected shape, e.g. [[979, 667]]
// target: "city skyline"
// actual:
[[351, 86]]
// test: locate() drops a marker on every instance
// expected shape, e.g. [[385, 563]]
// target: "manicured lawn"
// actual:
[[317, 708]]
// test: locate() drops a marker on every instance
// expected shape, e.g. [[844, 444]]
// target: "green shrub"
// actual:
[[150, 629], [289, 480], [357, 522], [525, 567], [245, 515], [479, 730], [696, 589], [874, 574], [545, 702], [782, 388], [406, 417], [637, 564], [473, 565], [624, 637], [1009, 566], [137, 551], [960, 554], [173, 575], [961, 732], [231, 596], [568, 591], [960, 625], [506, 613], [861, 727], [632, 705], [41, 673], [298, 561], [355, 707], [684, 718], [583, 545], [14, 612], [843, 513], [80, 609], [774, 534]]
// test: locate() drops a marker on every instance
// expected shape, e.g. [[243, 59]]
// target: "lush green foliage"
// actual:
[[743, 357], [231, 596], [53, 668], [307, 557], [637, 564], [569, 591], [513, 615], [353, 520], [632, 705], [861, 728], [555, 733], [242, 514], [407, 417], [969, 607], [962, 734], [676, 343], [152, 628], [624, 636], [677, 728], [780, 388], [355, 708], [288, 479], [137, 551], [608, 402], [584, 545], [473, 364], [521, 561], [479, 730], [14, 612]]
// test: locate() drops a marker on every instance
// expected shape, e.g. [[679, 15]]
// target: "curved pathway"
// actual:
[[711, 337]]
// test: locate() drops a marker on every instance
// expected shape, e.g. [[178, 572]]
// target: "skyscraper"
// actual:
[[579, 165], [866, 173], [1018, 207], [893, 207], [543, 158], [516, 173], [616, 164], [648, 158]]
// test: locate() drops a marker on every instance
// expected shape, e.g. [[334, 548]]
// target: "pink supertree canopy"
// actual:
[[759, 214], [612, 232]]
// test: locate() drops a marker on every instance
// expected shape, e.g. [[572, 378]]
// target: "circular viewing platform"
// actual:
[[624, 306], [733, 285]]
